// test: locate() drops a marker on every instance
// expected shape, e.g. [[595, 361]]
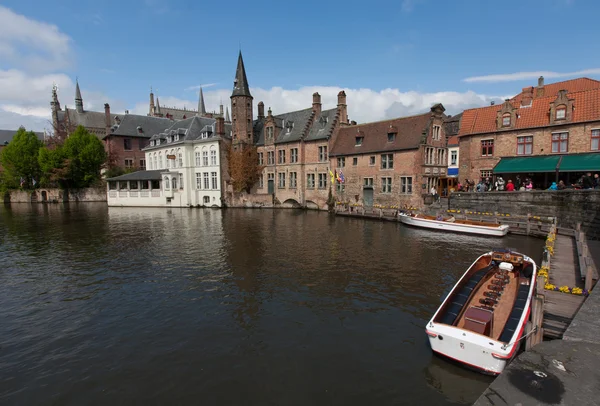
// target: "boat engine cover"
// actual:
[[506, 266]]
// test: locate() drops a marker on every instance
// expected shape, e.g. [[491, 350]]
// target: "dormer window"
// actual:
[[506, 120], [391, 137], [158, 142], [168, 139], [204, 135], [289, 126], [269, 133], [323, 120], [359, 141], [561, 113], [151, 143], [176, 137]]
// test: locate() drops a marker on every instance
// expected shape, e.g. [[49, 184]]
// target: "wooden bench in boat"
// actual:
[[479, 320]]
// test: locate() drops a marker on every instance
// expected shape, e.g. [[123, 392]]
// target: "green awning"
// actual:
[[530, 164], [580, 162]]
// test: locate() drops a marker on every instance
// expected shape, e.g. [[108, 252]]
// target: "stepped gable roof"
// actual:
[[148, 125], [409, 132], [293, 126], [483, 120], [571, 86], [6, 136]]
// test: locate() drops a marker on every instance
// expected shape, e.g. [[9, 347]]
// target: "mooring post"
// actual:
[[528, 223]]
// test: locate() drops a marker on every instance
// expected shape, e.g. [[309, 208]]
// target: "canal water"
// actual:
[[235, 307]]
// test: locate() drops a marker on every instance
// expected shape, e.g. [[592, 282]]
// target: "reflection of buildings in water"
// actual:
[[456, 383]]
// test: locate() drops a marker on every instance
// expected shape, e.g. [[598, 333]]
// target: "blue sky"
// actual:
[[392, 57]]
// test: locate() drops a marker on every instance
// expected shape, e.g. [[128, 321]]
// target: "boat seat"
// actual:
[[515, 315], [461, 299]]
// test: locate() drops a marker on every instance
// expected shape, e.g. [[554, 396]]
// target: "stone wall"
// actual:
[[569, 206], [56, 196]]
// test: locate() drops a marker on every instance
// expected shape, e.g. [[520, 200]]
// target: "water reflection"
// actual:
[[228, 306]]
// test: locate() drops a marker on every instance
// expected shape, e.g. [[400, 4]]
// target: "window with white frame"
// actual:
[[128, 163], [441, 156], [453, 157], [181, 181], [260, 158], [261, 181], [213, 178], [293, 180], [206, 180], [506, 120], [355, 161], [386, 184], [560, 142], [180, 158], [406, 185], [487, 147], [340, 187], [341, 162], [429, 154], [213, 157], [486, 173], [561, 113], [368, 182], [281, 156], [198, 158], [372, 160], [205, 158], [166, 183], [174, 180], [270, 157], [294, 155], [198, 181]]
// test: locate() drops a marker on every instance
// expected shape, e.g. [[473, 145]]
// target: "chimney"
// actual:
[[220, 126], [261, 110], [317, 104], [107, 118], [270, 113], [221, 110], [540, 87], [342, 108], [527, 98]]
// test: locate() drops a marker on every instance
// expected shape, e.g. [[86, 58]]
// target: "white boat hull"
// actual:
[[474, 350], [499, 231]]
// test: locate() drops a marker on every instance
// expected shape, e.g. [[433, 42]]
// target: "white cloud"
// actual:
[[197, 87], [32, 44], [510, 77], [364, 105]]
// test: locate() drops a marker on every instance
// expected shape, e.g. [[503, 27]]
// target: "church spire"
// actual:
[[240, 84], [158, 107], [227, 118], [201, 107], [78, 98]]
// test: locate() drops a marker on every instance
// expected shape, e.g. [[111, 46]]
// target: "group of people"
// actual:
[[586, 181]]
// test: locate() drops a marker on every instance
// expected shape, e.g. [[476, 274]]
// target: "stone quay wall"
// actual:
[[568, 206], [55, 195]]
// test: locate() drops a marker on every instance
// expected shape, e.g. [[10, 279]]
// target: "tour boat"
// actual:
[[453, 224], [481, 322]]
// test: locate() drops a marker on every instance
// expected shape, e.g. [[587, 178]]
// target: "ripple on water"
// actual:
[[233, 307]]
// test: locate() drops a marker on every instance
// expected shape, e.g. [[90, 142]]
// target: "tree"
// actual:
[[19, 159], [243, 166], [76, 163]]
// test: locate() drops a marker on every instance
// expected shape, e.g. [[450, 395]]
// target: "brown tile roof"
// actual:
[[409, 131], [453, 140], [571, 86], [483, 120]]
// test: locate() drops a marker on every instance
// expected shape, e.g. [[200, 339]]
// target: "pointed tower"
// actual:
[[157, 112], [201, 107], [227, 118], [151, 113], [55, 104], [241, 106], [78, 99]]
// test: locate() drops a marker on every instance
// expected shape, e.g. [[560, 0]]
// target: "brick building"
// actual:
[[548, 132], [293, 147], [392, 162], [129, 136], [65, 121]]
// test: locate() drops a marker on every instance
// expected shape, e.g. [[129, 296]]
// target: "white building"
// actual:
[[185, 167]]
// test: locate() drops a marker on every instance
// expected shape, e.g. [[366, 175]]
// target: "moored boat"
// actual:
[[481, 322], [453, 224]]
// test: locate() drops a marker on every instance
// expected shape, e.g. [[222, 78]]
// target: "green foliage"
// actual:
[[19, 159], [84, 156]]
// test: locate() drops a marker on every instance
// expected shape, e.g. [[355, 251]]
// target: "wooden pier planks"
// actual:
[[559, 310]]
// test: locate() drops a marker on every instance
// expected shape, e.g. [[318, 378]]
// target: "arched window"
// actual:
[[561, 112], [174, 183], [167, 187], [506, 120], [180, 158], [204, 156], [198, 157], [160, 161]]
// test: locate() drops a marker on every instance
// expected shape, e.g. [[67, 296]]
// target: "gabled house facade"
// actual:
[[392, 162], [547, 133]]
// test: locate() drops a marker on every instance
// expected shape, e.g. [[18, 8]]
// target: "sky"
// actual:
[[393, 58]]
